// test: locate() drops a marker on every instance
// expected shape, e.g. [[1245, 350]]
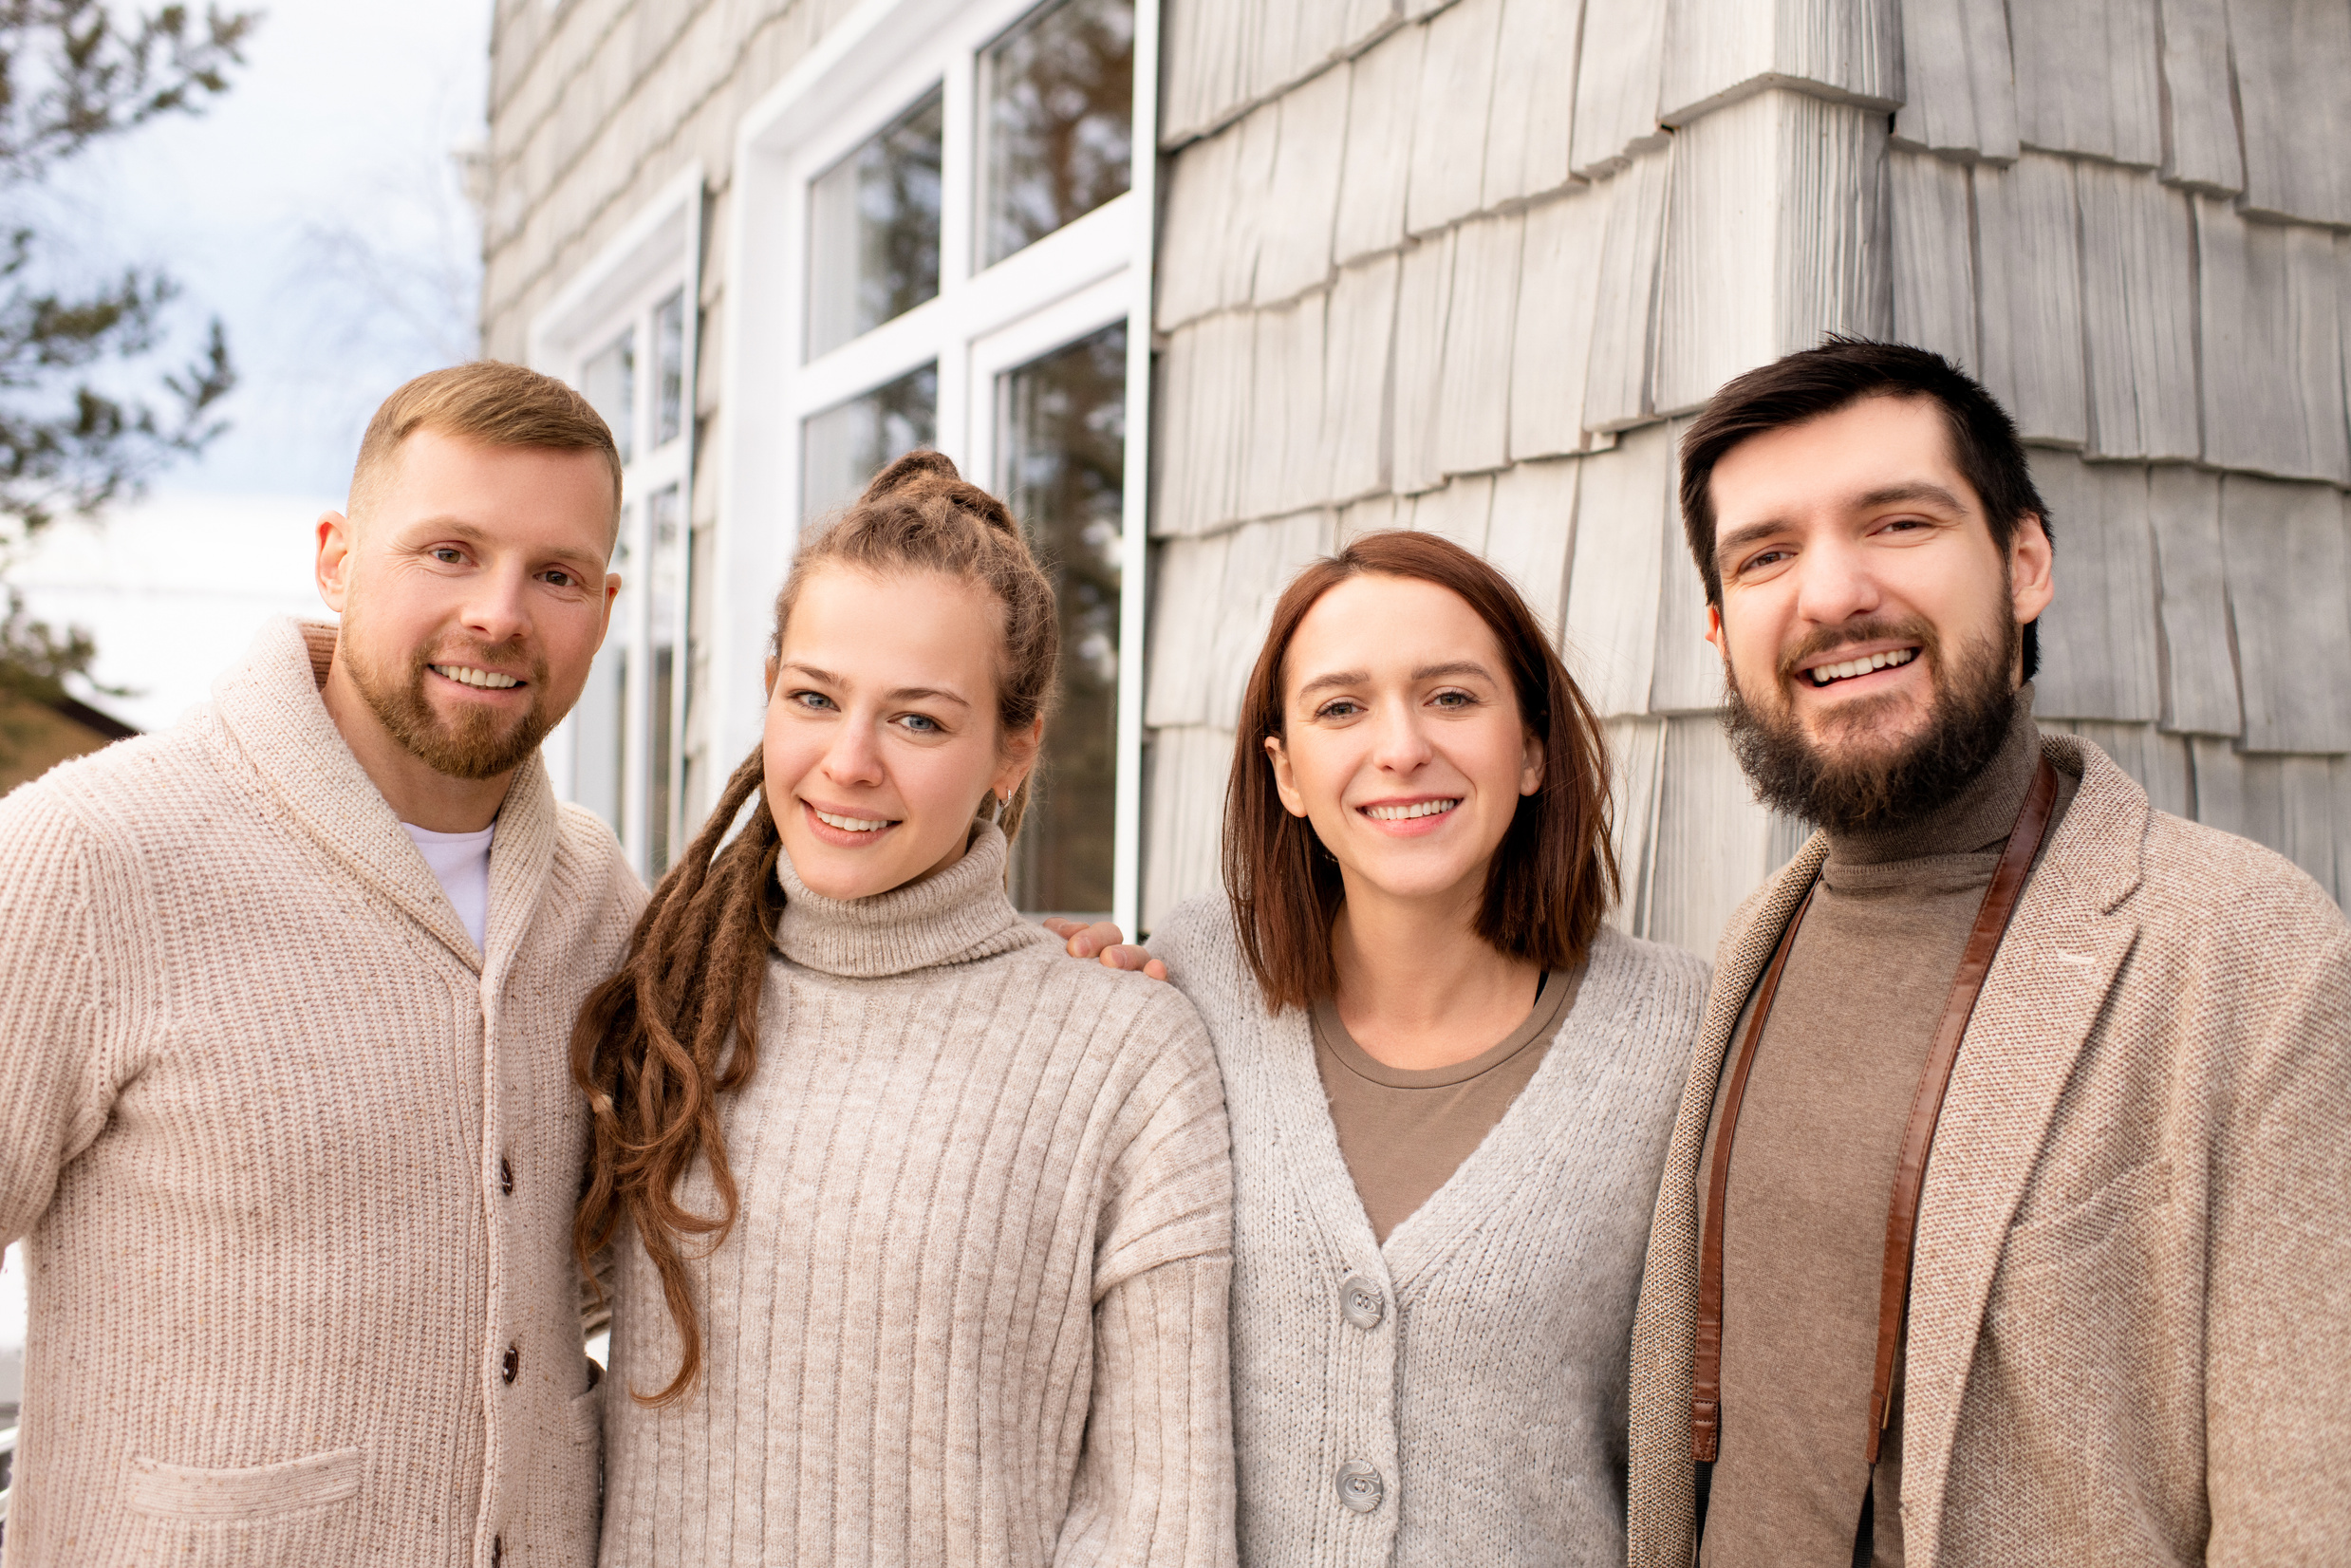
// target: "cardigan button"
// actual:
[[1361, 1302], [513, 1363], [506, 1176], [497, 1550], [1360, 1487]]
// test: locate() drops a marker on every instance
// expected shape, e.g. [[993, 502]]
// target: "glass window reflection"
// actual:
[[608, 382], [669, 370], [1058, 97], [873, 231], [1064, 422], [848, 443]]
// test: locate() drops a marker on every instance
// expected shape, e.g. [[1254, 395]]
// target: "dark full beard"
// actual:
[[1974, 704], [477, 745]]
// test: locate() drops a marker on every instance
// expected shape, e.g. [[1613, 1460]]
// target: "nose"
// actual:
[[854, 758], [1402, 746], [1834, 584], [495, 610]]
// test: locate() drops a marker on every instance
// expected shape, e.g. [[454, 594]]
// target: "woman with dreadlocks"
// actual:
[[920, 1232]]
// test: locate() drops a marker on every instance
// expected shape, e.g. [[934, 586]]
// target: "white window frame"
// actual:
[[657, 255], [873, 66]]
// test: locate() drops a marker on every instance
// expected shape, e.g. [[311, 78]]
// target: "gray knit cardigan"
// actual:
[[1459, 1395]]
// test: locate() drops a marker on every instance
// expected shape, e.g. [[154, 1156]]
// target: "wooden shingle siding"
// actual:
[[1932, 222], [2028, 277], [2139, 313], [2086, 78], [2099, 657], [2289, 597], [2199, 661], [1959, 88], [1717, 51], [2201, 149]]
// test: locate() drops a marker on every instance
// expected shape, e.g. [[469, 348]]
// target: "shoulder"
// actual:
[[1646, 997], [590, 859], [1204, 962], [110, 797], [1144, 1012], [1674, 977], [2205, 888]]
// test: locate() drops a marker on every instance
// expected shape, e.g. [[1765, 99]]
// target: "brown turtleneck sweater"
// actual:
[[1812, 1167]]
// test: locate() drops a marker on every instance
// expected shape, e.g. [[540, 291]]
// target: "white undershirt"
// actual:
[[461, 863]]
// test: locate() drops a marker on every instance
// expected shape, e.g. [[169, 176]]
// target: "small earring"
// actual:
[[996, 815]]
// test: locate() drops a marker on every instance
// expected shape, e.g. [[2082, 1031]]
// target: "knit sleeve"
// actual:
[[55, 1085], [1155, 1477]]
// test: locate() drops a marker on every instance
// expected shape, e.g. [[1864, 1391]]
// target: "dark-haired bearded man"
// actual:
[[2034, 1248]]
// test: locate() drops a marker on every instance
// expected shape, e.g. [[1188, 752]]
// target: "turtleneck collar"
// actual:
[[961, 915], [1977, 822]]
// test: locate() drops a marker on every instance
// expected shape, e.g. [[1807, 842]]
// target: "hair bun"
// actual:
[[925, 474]]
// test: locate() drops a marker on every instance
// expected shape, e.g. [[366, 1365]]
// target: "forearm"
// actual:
[[1155, 1480]]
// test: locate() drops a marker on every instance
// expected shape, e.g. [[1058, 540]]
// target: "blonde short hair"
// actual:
[[489, 402]]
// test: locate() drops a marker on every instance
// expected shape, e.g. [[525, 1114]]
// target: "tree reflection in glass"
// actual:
[[1057, 119], [873, 231], [1063, 419], [851, 442]]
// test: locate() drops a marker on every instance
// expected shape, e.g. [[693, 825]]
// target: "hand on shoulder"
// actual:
[[1104, 939]]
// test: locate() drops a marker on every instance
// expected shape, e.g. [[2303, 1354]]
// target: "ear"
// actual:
[[1714, 629], [1285, 780], [767, 684], [334, 567], [1020, 748], [2032, 579], [611, 592], [1531, 763]]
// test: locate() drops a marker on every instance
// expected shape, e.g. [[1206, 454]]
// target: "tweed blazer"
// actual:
[[2133, 1276]]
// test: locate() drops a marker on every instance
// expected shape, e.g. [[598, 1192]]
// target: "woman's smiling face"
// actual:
[[882, 737], [1403, 742]]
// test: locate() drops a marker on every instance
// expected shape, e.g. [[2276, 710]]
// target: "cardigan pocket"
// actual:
[[189, 1494]]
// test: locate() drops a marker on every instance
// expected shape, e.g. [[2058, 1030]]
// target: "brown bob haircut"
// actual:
[[1554, 875], [492, 404]]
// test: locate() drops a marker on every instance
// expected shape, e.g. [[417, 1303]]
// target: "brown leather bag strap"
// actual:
[[1910, 1178], [1706, 1384]]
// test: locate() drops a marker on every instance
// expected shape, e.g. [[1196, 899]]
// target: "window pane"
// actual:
[[608, 382], [670, 368], [669, 586], [601, 718], [873, 231], [851, 442], [1064, 422], [1058, 117]]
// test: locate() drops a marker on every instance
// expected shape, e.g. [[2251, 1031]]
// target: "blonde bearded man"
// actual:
[[285, 992]]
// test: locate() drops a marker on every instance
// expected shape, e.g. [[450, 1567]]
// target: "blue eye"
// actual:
[[813, 700], [922, 723], [1344, 707]]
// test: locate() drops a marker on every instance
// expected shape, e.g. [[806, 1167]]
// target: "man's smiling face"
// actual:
[[1868, 621]]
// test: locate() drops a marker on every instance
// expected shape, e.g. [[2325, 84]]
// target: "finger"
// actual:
[[1061, 925], [1156, 970], [1126, 956]]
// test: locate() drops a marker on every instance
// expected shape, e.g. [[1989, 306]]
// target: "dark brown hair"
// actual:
[[658, 1043], [1552, 876], [1843, 371], [491, 403]]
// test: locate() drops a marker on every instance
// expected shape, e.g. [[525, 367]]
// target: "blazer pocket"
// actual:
[[2069, 1232], [587, 1415], [260, 1491]]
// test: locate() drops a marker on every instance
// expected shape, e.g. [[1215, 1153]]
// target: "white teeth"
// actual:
[[1405, 814], [487, 679], [849, 824], [1823, 674]]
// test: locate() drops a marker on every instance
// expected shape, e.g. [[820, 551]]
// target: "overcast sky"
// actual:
[[318, 209]]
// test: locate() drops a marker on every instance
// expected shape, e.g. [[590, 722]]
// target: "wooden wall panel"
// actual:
[[2290, 805], [1616, 85], [1459, 512], [2029, 273], [1558, 279], [1616, 385], [1185, 819], [1933, 225], [1425, 293], [2289, 597], [2087, 78], [1207, 374], [1473, 401], [1259, 564], [2098, 654], [1287, 466], [1959, 84], [1636, 761], [1532, 117], [2200, 660], [2293, 63], [1187, 579], [1197, 233], [1612, 585], [1716, 49], [1712, 843], [1301, 205], [2159, 762], [1448, 147], [2269, 314], [1355, 377], [2200, 146], [1530, 531], [1381, 111], [2138, 315]]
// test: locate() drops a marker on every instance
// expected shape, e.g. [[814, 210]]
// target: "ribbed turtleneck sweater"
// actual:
[[974, 1309], [1813, 1166]]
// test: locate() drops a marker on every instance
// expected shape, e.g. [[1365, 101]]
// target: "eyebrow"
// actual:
[[901, 694], [1426, 672], [1739, 539]]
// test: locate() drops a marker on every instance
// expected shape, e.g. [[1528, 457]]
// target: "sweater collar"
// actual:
[[269, 703], [1975, 821], [957, 916]]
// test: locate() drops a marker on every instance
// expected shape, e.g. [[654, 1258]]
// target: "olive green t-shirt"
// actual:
[[1405, 1132]]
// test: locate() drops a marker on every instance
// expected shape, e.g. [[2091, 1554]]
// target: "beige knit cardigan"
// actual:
[[294, 1163], [2133, 1283], [974, 1310]]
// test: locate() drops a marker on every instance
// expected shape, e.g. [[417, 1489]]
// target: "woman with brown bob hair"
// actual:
[[920, 1232], [1450, 1084]]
